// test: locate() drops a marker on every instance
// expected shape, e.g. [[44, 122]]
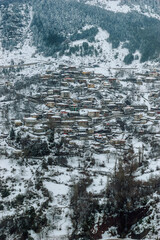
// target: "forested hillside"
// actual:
[[56, 24]]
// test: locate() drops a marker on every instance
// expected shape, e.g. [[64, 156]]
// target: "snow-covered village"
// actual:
[[79, 119], [75, 127]]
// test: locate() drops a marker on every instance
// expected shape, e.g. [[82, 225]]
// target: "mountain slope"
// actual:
[[145, 7], [60, 28], [79, 153], [53, 31]]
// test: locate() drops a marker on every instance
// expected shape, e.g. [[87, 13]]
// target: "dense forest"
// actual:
[[57, 23]]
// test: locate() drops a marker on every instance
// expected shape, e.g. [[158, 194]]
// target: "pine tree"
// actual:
[[12, 134]]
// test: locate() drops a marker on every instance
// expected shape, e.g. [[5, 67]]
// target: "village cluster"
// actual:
[[94, 113], [69, 124]]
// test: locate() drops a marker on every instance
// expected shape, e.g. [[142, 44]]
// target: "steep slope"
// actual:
[[60, 179], [71, 30], [145, 7], [53, 177], [134, 30]]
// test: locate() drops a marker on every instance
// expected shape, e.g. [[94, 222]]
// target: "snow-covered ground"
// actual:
[[32, 62], [59, 180], [117, 6]]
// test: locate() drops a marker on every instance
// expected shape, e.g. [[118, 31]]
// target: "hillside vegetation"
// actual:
[[56, 23]]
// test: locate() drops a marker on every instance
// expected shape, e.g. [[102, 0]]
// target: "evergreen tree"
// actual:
[[12, 134]]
